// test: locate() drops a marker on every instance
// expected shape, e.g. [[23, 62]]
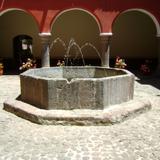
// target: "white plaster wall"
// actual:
[[134, 36], [79, 25]]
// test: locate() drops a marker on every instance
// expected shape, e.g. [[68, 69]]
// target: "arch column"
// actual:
[[105, 39], [45, 40]]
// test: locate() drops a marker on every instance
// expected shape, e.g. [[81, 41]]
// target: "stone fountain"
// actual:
[[76, 87], [79, 95]]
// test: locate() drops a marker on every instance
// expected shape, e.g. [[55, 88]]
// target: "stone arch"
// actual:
[[26, 25], [131, 38], [80, 9], [153, 18], [22, 10], [79, 24]]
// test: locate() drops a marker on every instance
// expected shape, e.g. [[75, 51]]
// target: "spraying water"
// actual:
[[69, 60]]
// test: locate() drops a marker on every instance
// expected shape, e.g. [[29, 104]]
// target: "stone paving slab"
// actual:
[[110, 115], [137, 138]]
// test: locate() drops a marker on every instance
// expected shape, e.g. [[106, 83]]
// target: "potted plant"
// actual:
[[30, 63], [145, 68], [1, 68], [120, 63]]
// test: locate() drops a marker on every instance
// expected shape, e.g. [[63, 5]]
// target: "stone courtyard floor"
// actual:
[[135, 139]]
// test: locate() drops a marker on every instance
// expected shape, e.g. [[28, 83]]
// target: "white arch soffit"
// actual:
[[155, 21], [13, 9], [80, 9]]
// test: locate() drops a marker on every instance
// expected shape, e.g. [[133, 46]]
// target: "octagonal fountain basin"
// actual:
[[76, 87]]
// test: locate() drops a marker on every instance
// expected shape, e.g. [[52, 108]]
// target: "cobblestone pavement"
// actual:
[[134, 139]]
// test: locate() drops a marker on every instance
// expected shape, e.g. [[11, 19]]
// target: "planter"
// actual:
[[1, 71]]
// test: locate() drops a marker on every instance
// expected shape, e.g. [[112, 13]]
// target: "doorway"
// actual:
[[22, 46]]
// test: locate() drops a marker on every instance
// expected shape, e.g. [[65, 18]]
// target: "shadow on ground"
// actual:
[[152, 79]]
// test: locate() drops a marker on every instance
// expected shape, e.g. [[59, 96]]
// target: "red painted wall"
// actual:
[[106, 11]]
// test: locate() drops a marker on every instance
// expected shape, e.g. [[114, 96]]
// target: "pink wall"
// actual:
[[105, 11]]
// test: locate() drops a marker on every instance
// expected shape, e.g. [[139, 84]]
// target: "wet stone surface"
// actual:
[[134, 139]]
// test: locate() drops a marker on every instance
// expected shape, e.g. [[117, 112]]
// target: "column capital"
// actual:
[[45, 37], [105, 36]]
